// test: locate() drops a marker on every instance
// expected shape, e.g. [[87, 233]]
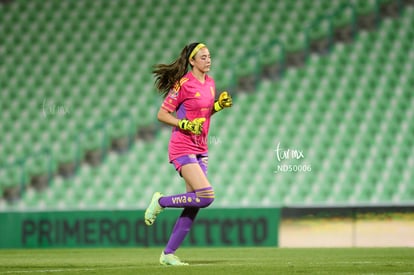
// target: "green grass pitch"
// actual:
[[210, 261]]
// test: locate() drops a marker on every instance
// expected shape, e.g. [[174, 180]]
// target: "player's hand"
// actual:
[[194, 126], [224, 101]]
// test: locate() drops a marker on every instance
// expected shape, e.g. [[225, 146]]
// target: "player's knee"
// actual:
[[207, 202], [205, 196]]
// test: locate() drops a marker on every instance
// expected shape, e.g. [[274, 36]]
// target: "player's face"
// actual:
[[202, 60]]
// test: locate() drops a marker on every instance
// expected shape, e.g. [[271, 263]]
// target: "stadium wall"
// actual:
[[126, 228], [298, 226]]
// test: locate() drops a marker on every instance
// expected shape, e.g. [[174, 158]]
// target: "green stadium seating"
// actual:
[[71, 75]]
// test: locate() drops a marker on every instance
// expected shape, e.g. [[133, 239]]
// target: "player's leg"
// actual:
[[154, 207], [196, 198], [201, 194], [180, 231], [185, 221]]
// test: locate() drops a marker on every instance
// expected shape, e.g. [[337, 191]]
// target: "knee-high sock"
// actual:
[[181, 229], [200, 198]]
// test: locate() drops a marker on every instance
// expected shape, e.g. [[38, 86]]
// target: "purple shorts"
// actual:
[[201, 159]]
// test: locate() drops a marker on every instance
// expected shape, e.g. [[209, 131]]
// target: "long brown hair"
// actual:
[[167, 75]]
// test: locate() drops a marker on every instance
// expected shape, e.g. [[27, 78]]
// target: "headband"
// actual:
[[195, 51]]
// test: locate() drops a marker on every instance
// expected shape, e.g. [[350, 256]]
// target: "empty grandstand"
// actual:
[[322, 115]]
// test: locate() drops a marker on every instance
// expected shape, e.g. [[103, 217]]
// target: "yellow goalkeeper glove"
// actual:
[[194, 126], [224, 101]]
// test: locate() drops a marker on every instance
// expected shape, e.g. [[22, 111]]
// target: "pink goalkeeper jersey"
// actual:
[[190, 99]]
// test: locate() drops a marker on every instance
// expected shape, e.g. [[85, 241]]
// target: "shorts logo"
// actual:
[[205, 160]]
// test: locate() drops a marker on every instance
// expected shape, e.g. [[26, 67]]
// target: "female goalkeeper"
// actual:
[[189, 102]]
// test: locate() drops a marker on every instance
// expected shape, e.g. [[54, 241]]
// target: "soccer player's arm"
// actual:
[[165, 115], [168, 108]]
